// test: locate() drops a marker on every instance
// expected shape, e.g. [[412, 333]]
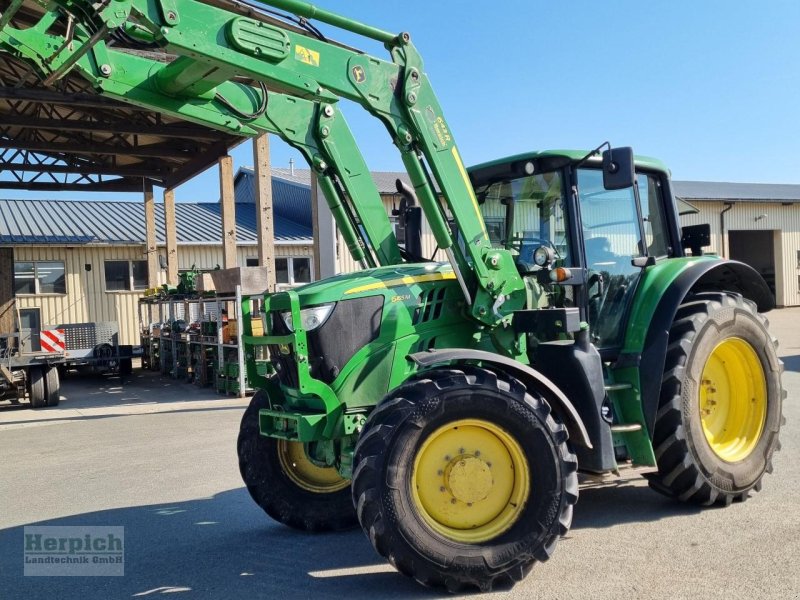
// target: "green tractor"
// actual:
[[448, 407], [460, 443]]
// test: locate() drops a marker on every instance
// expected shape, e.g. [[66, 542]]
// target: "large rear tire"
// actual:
[[52, 386], [463, 479], [36, 389], [720, 408], [286, 484]]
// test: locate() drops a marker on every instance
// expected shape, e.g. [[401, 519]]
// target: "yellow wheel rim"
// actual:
[[470, 481], [304, 473], [733, 400]]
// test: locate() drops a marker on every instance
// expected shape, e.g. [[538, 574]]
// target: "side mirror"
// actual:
[[696, 237], [618, 170]]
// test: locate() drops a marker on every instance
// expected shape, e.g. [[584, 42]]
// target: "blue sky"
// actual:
[[711, 88]]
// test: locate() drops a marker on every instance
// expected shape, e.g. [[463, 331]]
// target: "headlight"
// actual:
[[543, 256], [310, 318]]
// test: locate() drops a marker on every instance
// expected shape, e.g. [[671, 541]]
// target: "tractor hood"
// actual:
[[371, 282]]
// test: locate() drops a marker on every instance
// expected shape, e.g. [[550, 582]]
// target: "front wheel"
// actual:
[[286, 484], [463, 479], [720, 409]]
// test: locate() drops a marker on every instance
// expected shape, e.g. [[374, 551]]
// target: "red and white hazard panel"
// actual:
[[52, 340]]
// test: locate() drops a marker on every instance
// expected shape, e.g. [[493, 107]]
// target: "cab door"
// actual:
[[616, 231]]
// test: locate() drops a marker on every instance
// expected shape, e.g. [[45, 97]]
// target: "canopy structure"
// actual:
[[65, 137]]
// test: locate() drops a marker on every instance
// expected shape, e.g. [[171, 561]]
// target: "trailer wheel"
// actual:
[[52, 386], [286, 484], [36, 389], [720, 412], [463, 479]]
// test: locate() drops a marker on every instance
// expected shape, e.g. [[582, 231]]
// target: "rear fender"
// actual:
[[649, 351], [532, 379]]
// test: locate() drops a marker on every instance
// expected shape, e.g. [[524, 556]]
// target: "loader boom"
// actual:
[[221, 47]]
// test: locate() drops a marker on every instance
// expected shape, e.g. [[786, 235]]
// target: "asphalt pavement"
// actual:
[[158, 458]]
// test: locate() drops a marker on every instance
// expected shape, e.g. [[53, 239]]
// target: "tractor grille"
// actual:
[[352, 325]]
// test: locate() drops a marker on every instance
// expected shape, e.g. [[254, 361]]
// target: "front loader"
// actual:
[[447, 408]]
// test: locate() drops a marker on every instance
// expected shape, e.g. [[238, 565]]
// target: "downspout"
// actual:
[[728, 206]]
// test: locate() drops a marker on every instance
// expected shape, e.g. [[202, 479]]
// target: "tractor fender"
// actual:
[[531, 378], [703, 276]]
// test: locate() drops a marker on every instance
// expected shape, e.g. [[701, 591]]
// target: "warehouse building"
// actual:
[[76, 262], [758, 224]]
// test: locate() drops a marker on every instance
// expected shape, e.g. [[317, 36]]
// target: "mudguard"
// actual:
[[559, 403], [705, 275]]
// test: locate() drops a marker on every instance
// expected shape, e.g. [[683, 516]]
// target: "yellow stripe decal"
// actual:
[[382, 285], [467, 183]]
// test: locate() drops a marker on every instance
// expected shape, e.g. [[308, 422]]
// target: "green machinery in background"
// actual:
[[447, 407]]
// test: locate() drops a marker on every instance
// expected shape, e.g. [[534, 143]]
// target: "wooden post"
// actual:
[[171, 236], [324, 233], [264, 223], [228, 211], [151, 249]]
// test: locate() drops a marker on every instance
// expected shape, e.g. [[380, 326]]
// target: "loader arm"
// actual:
[[220, 43]]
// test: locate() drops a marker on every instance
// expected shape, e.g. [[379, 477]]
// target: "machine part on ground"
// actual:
[[721, 398], [36, 389], [52, 385], [286, 484], [464, 479]]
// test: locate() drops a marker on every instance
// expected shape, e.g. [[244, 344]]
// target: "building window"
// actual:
[[250, 262], [292, 271], [39, 277], [125, 275]]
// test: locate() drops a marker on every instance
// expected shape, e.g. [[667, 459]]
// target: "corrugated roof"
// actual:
[[102, 222], [384, 180], [741, 192], [292, 199]]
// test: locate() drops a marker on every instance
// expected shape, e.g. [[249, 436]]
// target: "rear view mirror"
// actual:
[[618, 170]]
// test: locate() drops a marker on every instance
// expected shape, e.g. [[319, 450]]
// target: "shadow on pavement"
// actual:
[[221, 547], [224, 547]]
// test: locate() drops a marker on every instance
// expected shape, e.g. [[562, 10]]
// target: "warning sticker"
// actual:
[[306, 55]]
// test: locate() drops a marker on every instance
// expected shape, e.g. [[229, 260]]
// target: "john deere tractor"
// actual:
[[448, 407]]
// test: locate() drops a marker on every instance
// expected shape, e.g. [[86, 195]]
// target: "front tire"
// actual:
[[720, 408], [286, 484], [463, 479]]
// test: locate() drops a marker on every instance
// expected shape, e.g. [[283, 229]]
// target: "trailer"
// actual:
[[95, 348], [28, 374]]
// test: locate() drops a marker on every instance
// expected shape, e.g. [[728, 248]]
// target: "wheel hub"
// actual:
[[733, 399], [469, 479]]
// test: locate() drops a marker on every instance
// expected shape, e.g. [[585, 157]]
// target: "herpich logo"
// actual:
[[73, 551]]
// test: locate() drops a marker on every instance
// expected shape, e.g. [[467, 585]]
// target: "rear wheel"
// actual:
[[52, 386], [464, 480], [720, 414], [288, 486], [36, 389]]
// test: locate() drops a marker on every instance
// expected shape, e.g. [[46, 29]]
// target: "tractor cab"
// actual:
[[581, 233]]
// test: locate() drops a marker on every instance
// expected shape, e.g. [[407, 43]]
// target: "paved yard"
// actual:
[[158, 458]]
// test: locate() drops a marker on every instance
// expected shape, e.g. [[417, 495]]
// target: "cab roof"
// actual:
[[646, 162]]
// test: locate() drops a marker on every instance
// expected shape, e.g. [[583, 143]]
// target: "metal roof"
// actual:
[[67, 137], [67, 222], [736, 192], [292, 200], [384, 180]]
